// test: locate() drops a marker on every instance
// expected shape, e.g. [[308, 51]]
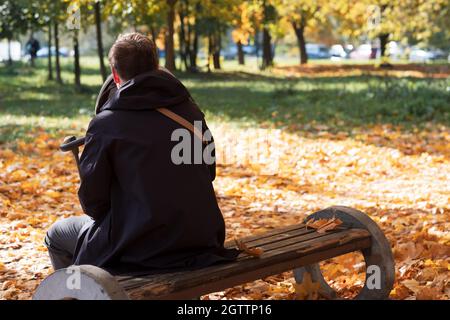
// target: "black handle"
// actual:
[[71, 143]]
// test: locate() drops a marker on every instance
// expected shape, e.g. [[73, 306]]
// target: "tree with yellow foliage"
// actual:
[[303, 15], [244, 27], [216, 17], [387, 20]]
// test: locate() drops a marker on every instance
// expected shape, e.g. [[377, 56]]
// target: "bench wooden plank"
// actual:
[[289, 233], [289, 248], [268, 234], [317, 240], [261, 240], [311, 239], [169, 287], [274, 238], [288, 240], [179, 285]]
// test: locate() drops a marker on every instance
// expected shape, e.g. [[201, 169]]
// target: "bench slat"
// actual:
[[288, 239], [274, 238], [292, 253], [268, 234]]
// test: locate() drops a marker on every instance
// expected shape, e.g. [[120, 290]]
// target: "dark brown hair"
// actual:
[[132, 54]]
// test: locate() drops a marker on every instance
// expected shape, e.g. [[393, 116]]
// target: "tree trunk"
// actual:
[[241, 55], [210, 51], [9, 52], [216, 60], [98, 27], [57, 64], [383, 43], [188, 40], [50, 65], [193, 53], [170, 49], [267, 59], [153, 32], [77, 69], [300, 33], [257, 46], [32, 56], [193, 43], [183, 41], [217, 49]]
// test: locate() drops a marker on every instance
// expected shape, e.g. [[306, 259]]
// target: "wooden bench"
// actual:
[[296, 248]]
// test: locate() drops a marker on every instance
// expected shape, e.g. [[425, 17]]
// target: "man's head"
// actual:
[[130, 55]]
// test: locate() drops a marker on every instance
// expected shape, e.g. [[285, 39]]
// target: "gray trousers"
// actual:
[[61, 240]]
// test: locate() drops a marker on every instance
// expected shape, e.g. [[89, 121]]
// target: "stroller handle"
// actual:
[[71, 144]]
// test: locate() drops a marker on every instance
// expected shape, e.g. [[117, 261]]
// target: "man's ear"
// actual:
[[116, 77]]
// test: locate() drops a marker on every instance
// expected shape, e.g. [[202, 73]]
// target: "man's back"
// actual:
[[149, 212]]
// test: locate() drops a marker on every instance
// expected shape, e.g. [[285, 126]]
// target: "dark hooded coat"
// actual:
[[149, 214]]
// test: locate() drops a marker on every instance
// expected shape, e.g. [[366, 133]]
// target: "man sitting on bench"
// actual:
[[145, 212]]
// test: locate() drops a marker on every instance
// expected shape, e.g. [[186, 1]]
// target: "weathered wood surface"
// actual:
[[378, 256], [294, 247], [284, 249]]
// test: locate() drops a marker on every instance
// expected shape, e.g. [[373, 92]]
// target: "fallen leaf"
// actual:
[[255, 251], [307, 290], [401, 292], [324, 225], [412, 285], [427, 293], [8, 294], [53, 194], [7, 284]]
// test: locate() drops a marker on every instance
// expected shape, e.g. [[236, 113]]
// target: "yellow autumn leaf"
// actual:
[[412, 285], [255, 251], [307, 290], [18, 175], [53, 194], [324, 225]]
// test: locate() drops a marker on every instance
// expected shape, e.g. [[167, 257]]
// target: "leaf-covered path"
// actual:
[[400, 179]]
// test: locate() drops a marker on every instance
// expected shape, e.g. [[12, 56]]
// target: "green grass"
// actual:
[[244, 96]]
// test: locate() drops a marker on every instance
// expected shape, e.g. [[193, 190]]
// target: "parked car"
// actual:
[[231, 52], [161, 53], [317, 51], [249, 50], [394, 50], [439, 54], [420, 55], [426, 55], [43, 52], [15, 49], [364, 52], [337, 51]]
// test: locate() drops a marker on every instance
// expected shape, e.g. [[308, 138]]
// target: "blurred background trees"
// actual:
[[186, 30]]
